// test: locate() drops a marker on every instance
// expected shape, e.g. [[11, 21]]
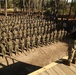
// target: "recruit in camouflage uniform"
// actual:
[[38, 40], [28, 31], [39, 29], [22, 44], [33, 41], [28, 42], [59, 35], [55, 35], [52, 37], [42, 31], [16, 45], [35, 31], [10, 35], [31, 31], [20, 33], [72, 51], [4, 36], [62, 34], [47, 38], [3, 49], [43, 39], [10, 46], [46, 29], [15, 34]]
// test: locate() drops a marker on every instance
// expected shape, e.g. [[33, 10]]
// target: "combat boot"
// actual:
[[69, 63], [74, 61]]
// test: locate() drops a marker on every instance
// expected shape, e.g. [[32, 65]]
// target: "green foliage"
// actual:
[[2, 3], [46, 5], [47, 12], [16, 2], [74, 6]]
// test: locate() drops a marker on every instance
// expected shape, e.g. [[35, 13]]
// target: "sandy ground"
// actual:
[[32, 60]]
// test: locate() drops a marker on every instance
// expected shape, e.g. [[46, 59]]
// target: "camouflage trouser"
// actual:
[[55, 37], [72, 55], [10, 50], [52, 39], [3, 52], [5, 39], [16, 48], [33, 44], [22, 47], [38, 43], [28, 45], [47, 40], [43, 41]]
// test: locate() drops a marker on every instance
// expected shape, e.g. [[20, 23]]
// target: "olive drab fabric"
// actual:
[[72, 50]]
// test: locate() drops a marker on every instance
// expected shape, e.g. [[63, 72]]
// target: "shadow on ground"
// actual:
[[18, 68]]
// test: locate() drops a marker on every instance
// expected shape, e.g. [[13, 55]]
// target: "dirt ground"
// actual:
[[27, 62]]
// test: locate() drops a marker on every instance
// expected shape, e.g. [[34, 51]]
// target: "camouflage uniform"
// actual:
[[16, 45], [4, 36], [7, 29], [59, 35], [10, 35], [65, 33], [43, 38], [55, 35], [35, 31], [28, 31], [22, 27], [52, 38], [42, 30], [3, 49], [28, 42], [10, 46], [39, 29], [20, 34], [24, 33], [46, 29], [47, 38], [33, 41], [72, 51], [38, 40], [31, 31], [22, 42], [15, 34], [62, 34]]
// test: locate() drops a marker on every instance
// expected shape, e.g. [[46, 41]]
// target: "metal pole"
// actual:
[[29, 7], [6, 8], [0, 6]]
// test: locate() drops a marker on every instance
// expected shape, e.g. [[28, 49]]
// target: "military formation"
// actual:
[[22, 32]]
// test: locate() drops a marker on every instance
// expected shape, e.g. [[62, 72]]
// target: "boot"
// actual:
[[69, 63], [74, 61]]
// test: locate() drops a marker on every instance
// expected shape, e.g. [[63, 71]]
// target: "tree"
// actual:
[[71, 4], [74, 8]]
